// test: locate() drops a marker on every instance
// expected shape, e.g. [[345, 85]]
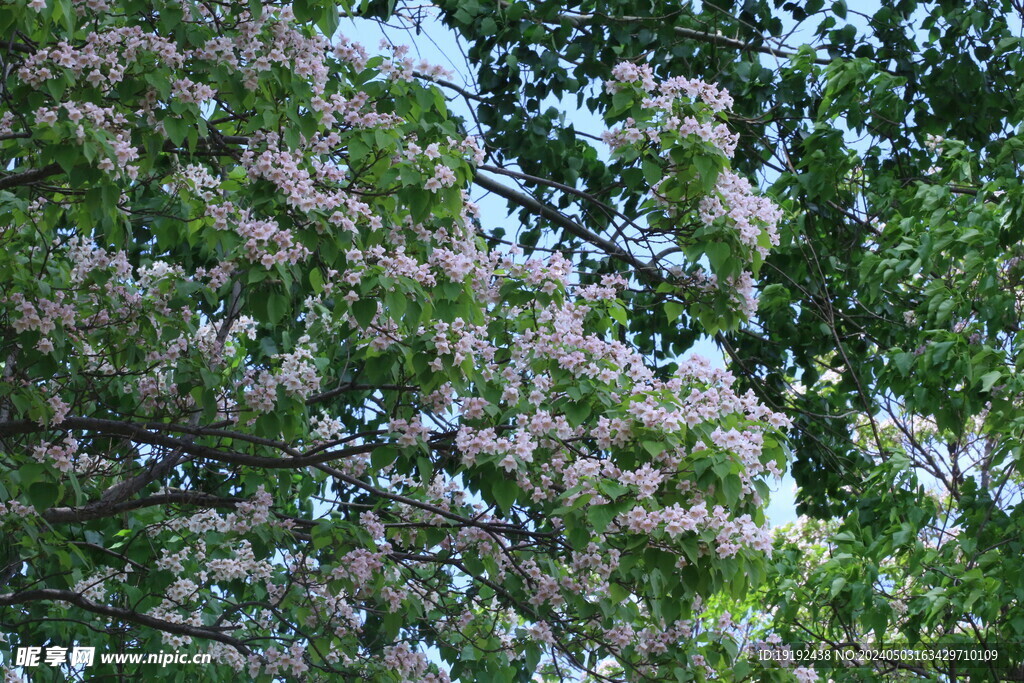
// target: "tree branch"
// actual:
[[52, 594], [142, 434], [28, 177], [712, 38], [644, 271], [100, 508]]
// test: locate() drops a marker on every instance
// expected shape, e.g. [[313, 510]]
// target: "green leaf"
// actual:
[[277, 307], [177, 129], [674, 310], [903, 362], [652, 171], [43, 495], [329, 20], [66, 10], [364, 310], [29, 474], [316, 280], [612, 489], [989, 379], [577, 413], [718, 254], [305, 10], [618, 313], [67, 156], [505, 492], [655, 448], [395, 304], [382, 457], [600, 516]]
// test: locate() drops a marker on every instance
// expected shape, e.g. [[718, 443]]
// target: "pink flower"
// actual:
[[44, 115], [805, 674]]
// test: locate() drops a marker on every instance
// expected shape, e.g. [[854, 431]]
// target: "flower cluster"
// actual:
[[675, 124]]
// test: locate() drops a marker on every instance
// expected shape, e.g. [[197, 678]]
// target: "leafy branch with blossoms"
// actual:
[[269, 394]]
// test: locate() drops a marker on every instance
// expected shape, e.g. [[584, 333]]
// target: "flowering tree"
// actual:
[[269, 394], [889, 319]]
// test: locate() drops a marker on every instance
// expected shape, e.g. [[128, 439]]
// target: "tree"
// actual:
[[889, 317], [269, 396], [252, 329]]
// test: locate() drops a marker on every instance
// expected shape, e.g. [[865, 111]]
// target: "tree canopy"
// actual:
[[275, 390]]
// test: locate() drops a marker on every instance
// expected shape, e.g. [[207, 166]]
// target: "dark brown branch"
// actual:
[[712, 38], [488, 526], [28, 177], [353, 386], [644, 271], [452, 86], [18, 47], [52, 594], [100, 508], [142, 434]]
